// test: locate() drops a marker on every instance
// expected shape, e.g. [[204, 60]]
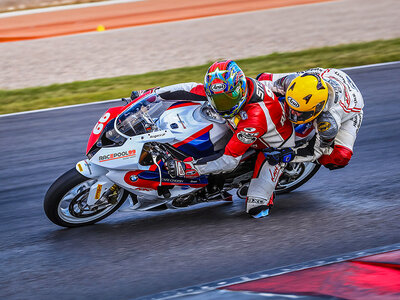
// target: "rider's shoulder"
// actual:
[[332, 73], [253, 108], [262, 108]]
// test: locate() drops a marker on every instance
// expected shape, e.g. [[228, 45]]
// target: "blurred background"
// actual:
[[14, 5]]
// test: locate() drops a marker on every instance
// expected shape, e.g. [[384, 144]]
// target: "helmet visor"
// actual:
[[226, 102], [299, 116]]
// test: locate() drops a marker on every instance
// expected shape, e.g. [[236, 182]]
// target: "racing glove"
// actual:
[[185, 168], [276, 156]]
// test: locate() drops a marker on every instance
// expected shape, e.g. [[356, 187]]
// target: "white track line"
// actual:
[[57, 108], [372, 65], [63, 7], [107, 101]]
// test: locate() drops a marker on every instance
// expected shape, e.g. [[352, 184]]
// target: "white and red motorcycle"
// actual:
[[126, 156]]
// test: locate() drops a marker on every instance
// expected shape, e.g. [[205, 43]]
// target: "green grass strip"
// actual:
[[110, 88]]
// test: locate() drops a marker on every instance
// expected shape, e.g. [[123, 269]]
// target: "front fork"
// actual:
[[102, 187]]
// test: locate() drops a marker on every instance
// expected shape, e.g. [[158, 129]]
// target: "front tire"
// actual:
[[64, 203]]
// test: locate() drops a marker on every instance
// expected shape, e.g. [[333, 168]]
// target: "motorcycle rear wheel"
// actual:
[[295, 175], [65, 201]]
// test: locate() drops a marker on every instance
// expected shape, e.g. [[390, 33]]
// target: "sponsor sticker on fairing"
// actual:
[[98, 192], [117, 155], [156, 135], [143, 189]]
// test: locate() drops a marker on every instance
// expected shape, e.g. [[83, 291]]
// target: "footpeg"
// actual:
[[184, 201], [222, 196]]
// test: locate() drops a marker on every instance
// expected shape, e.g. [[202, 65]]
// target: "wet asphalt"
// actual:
[[135, 254]]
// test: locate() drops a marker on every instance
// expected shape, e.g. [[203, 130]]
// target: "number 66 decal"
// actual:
[[100, 125]]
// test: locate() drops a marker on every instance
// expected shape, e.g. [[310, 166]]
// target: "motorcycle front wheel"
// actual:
[[295, 175], [65, 201]]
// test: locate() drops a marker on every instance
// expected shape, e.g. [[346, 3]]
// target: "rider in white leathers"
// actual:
[[322, 101], [337, 121]]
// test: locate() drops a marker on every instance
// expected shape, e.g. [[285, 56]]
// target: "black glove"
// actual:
[[136, 94], [276, 156]]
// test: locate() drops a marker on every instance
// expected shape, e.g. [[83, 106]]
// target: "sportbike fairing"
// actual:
[[126, 152], [120, 123], [191, 128], [184, 119]]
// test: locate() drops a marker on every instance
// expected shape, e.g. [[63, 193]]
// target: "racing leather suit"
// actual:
[[337, 125], [260, 124]]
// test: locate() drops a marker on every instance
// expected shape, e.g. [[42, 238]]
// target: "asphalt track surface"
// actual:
[[134, 254]]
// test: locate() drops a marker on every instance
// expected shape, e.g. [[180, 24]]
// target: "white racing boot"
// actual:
[[258, 207]]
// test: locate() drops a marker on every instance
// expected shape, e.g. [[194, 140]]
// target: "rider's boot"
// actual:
[[258, 207]]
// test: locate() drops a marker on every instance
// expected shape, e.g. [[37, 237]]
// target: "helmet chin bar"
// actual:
[[299, 117]]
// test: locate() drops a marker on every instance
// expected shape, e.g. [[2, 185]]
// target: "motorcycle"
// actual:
[[127, 153]]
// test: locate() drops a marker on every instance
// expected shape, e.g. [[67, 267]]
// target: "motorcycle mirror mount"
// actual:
[[126, 100]]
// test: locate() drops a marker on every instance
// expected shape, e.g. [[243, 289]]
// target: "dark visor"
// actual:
[[299, 116]]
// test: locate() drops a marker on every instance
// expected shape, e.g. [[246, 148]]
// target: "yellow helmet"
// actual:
[[306, 97]]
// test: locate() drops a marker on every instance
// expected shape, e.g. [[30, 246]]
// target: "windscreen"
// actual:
[[141, 116]]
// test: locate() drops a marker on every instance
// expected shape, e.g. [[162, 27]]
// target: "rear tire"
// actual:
[[308, 170], [74, 186]]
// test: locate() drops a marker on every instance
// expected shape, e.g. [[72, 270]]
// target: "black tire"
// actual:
[[315, 169], [60, 188]]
